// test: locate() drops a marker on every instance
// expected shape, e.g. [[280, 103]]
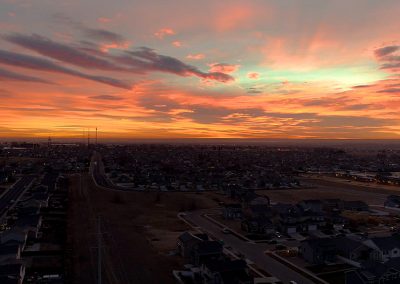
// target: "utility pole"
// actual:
[[96, 136], [98, 250]]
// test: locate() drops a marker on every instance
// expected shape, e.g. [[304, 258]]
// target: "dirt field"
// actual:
[[321, 188], [375, 187], [140, 229]]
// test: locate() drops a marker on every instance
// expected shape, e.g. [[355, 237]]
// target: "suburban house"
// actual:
[[293, 218], [14, 236], [226, 272], [355, 205], [373, 272], [186, 242], [312, 205], [319, 250], [14, 272], [206, 251], [29, 224], [232, 211], [393, 201], [384, 248], [9, 253], [258, 225], [352, 251], [332, 204]]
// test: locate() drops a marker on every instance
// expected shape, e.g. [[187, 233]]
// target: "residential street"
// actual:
[[254, 252]]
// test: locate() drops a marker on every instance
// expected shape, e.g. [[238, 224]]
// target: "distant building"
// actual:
[[393, 201], [356, 205], [232, 211]]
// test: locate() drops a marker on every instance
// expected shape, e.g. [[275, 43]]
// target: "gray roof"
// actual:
[[10, 269], [347, 245], [209, 247], [8, 249], [387, 243]]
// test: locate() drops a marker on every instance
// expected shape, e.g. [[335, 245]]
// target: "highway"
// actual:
[[14, 192], [252, 251]]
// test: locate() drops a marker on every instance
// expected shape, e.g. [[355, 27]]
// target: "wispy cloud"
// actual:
[[12, 76], [36, 63], [139, 61], [161, 33]]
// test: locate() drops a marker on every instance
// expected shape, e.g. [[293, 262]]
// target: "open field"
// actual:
[[350, 183], [140, 228], [327, 188]]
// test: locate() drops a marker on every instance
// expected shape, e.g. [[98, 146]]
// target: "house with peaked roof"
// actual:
[[258, 225], [232, 211], [226, 272], [13, 271], [312, 205], [352, 251], [9, 253], [384, 248], [29, 224], [355, 205], [186, 242], [373, 272], [318, 250], [392, 201], [14, 236], [205, 251]]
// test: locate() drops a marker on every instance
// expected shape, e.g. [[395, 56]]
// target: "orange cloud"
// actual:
[[197, 56], [177, 43], [104, 20], [223, 67], [164, 32], [253, 75], [233, 16]]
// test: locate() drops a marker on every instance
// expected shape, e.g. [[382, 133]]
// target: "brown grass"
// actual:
[[141, 228]]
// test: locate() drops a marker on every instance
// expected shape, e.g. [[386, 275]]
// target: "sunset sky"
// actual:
[[200, 69]]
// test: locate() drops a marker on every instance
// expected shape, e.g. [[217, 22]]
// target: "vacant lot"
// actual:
[[320, 188], [140, 229]]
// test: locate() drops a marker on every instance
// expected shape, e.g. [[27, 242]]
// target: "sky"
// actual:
[[200, 69]]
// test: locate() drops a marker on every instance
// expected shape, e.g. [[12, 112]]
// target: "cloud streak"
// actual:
[[12, 76], [140, 61], [41, 64], [146, 59]]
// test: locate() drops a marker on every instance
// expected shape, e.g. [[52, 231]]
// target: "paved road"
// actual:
[[99, 176], [252, 251], [14, 192]]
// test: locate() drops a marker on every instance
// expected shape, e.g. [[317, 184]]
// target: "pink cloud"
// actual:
[[253, 75], [223, 67], [234, 16], [164, 32], [197, 56], [177, 43], [114, 45], [104, 20]]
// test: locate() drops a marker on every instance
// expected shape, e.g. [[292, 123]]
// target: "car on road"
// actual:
[[226, 231], [292, 282]]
